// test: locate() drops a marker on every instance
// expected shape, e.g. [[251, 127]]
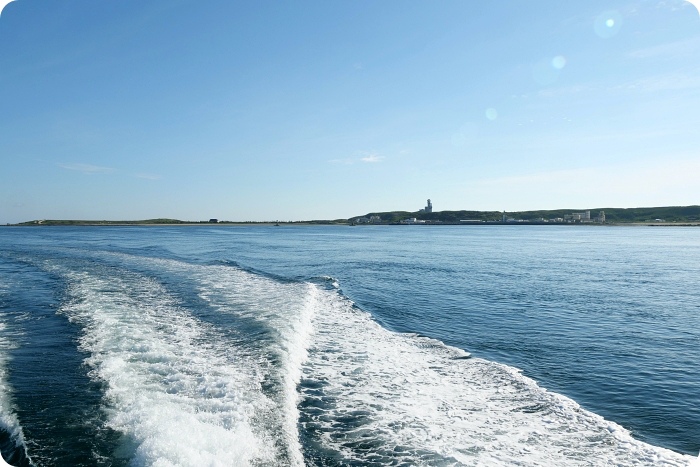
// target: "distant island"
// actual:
[[671, 215]]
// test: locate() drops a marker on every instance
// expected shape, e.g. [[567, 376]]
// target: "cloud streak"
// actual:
[[362, 156], [87, 169], [682, 48], [666, 82], [372, 158], [90, 169]]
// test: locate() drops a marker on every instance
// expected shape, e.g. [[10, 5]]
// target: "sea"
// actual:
[[291, 345]]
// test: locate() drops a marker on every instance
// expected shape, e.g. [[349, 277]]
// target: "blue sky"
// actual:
[[320, 110]]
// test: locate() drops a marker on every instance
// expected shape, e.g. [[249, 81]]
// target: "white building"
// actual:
[[584, 216]]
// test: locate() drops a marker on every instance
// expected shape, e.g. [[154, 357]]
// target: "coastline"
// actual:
[[664, 216], [347, 224]]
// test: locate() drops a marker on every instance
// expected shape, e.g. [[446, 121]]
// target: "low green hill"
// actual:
[[674, 214], [104, 222]]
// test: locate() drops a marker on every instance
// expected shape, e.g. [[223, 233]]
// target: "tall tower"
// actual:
[[429, 207]]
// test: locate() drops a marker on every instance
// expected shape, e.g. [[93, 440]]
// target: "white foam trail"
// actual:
[[382, 397], [175, 390], [286, 309], [8, 418]]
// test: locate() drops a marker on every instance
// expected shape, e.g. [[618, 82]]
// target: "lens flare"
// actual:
[[491, 114], [559, 62], [607, 24]]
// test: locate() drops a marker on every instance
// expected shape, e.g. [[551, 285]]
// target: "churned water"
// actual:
[[336, 345]]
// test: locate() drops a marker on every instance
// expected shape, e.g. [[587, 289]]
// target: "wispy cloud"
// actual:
[[671, 49], [372, 158], [369, 157], [676, 5], [87, 169], [670, 81]]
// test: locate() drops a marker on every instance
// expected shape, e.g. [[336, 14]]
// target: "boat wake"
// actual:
[[215, 365], [371, 396]]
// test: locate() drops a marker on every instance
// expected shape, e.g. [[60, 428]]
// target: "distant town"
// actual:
[[601, 216], [574, 217]]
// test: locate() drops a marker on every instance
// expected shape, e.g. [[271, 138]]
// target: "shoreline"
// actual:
[[311, 223]]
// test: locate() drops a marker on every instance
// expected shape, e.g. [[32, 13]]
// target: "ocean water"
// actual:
[[335, 345]]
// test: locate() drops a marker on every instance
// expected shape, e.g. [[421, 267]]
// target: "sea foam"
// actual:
[[175, 391], [372, 396], [9, 422], [284, 308]]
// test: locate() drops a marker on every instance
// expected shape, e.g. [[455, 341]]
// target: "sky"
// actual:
[[274, 110]]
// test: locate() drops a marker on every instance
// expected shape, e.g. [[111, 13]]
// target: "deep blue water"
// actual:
[[367, 345]]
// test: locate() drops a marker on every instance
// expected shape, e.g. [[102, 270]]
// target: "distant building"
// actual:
[[214, 221], [601, 217], [584, 216], [375, 219], [428, 207]]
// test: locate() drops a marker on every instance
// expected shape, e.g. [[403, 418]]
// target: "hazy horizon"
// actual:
[[314, 110]]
